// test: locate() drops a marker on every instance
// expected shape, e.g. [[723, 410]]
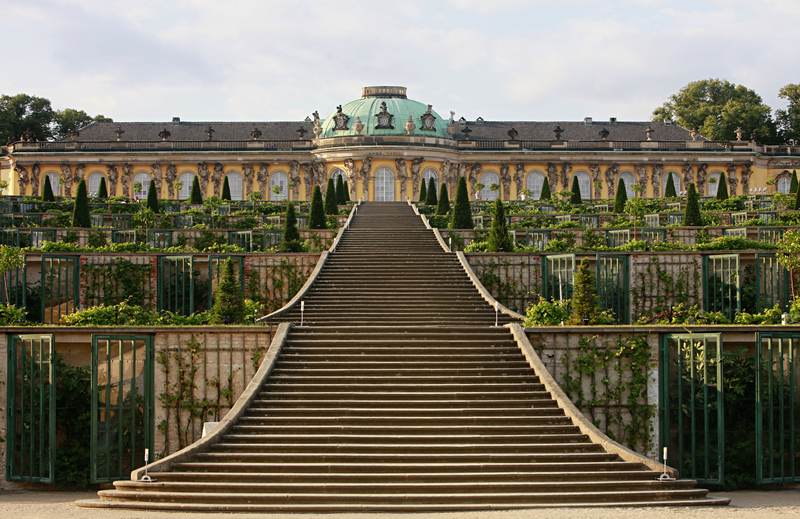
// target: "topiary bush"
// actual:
[[196, 197], [499, 239], [545, 190], [722, 190], [341, 196], [291, 241], [423, 191], [80, 215], [229, 300], [331, 206], [575, 198], [444, 201], [669, 191], [430, 195], [226, 190], [152, 198], [47, 191], [102, 192], [692, 216], [621, 198], [316, 217], [462, 214]]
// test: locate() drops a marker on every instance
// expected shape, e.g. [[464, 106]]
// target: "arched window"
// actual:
[[487, 179], [629, 180], [784, 184], [534, 184], [676, 179], [186, 179], [93, 184], [338, 173], [54, 184], [144, 179], [279, 178], [713, 187], [584, 184], [235, 185], [429, 174], [384, 185]]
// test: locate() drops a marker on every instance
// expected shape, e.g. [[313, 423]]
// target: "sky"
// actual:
[[266, 60]]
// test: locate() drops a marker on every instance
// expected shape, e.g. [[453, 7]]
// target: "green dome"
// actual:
[[397, 105]]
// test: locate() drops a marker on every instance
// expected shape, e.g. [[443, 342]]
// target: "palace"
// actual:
[[384, 144]]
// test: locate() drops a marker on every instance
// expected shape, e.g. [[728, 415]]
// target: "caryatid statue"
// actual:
[[552, 176], [23, 177], [113, 177], [350, 171], [308, 179], [294, 178], [519, 178], [658, 171], [36, 171], [416, 164], [219, 173], [156, 183], [262, 176], [596, 181], [66, 176], [611, 175], [505, 178], [402, 174], [366, 169], [127, 176], [247, 172], [203, 173], [170, 175]]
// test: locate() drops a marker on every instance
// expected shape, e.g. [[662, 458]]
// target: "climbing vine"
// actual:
[[658, 292], [116, 281]]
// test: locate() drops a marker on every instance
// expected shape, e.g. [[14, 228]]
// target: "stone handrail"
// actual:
[[570, 410], [441, 240], [241, 405], [482, 289]]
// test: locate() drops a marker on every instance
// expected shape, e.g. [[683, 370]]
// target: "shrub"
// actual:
[[430, 198], [692, 217], [547, 313], [152, 198], [80, 216], [346, 192], [444, 201], [621, 198], [545, 190], [575, 198], [462, 214], [669, 191], [330, 198], [226, 190], [291, 236], [229, 305], [196, 197], [47, 191], [584, 297], [423, 191], [499, 239], [102, 192], [722, 190], [316, 217], [793, 185], [341, 197]]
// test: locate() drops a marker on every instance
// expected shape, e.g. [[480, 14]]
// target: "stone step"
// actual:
[[388, 448], [286, 401], [354, 439], [408, 429], [402, 412], [277, 393]]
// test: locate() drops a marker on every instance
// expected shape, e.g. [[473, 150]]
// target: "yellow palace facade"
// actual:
[[385, 144]]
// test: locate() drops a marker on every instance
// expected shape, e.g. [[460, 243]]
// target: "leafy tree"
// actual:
[[229, 305], [226, 190], [545, 190], [65, 121], [584, 297], [789, 257], [330, 199], [291, 236], [444, 201], [722, 190], [423, 191], [692, 217], [575, 199], [316, 218], [47, 191], [10, 258], [196, 197], [102, 192], [716, 108], [462, 214], [499, 239], [80, 213], [669, 191], [793, 185], [621, 198], [22, 115], [255, 196], [478, 188], [152, 198], [430, 195], [341, 196], [788, 121]]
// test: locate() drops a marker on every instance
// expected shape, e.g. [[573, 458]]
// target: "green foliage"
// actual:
[[346, 192], [124, 314], [732, 203], [73, 422], [797, 201], [69, 120], [80, 216], [47, 191], [229, 305], [499, 239], [722, 189], [226, 190], [443, 207], [119, 280], [331, 206], [341, 194], [152, 198], [462, 214], [25, 115], [692, 217], [102, 192], [584, 298], [669, 191], [575, 198], [788, 121], [10, 315], [547, 313], [423, 191], [430, 194], [196, 197], [545, 190], [789, 256], [316, 217], [291, 236], [621, 198]]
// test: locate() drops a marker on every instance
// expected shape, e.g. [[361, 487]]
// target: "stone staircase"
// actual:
[[399, 393]]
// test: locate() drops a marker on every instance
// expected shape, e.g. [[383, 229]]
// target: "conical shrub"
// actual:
[[152, 198], [722, 189], [316, 219], [346, 192], [575, 198], [341, 197], [499, 239], [47, 191], [584, 297], [621, 198], [669, 191], [692, 218], [228, 300], [291, 236], [462, 214], [793, 185], [444, 201], [226, 190], [430, 195], [80, 214], [797, 201], [545, 190], [196, 197], [331, 206], [423, 191], [102, 192]]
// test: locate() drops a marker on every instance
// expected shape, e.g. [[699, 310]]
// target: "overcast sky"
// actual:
[[255, 60]]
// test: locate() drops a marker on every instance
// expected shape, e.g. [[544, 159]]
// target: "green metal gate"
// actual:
[[558, 272], [60, 285], [122, 405], [772, 283], [692, 405], [31, 412], [722, 284], [613, 280], [12, 287], [777, 408], [215, 264], [176, 284]]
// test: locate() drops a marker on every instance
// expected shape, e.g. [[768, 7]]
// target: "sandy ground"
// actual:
[[744, 504]]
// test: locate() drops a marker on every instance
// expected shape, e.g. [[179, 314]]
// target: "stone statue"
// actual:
[[416, 164], [358, 126], [462, 171], [641, 173], [702, 174], [688, 176], [247, 172], [203, 173], [66, 176], [22, 177], [36, 171], [611, 175], [308, 179], [262, 176], [552, 176], [127, 176], [446, 169], [294, 178], [169, 176], [505, 178], [519, 178], [113, 176], [598, 188], [410, 127], [566, 168], [350, 171], [320, 174], [732, 180], [366, 168], [658, 171], [216, 178], [79, 169], [474, 171], [156, 182], [746, 172], [402, 174]]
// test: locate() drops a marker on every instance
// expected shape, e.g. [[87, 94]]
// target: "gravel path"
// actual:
[[744, 504]]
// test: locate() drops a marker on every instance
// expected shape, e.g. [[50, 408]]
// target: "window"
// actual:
[[585, 185], [784, 184], [384, 185], [629, 181], [428, 174], [186, 179], [676, 179], [713, 187], [487, 179], [235, 185], [93, 185], [279, 179], [54, 184], [534, 184], [144, 180], [338, 173]]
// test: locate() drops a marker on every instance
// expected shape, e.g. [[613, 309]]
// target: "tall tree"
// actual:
[[575, 198], [346, 192], [291, 241], [331, 206], [444, 201], [545, 190], [24, 115], [423, 191], [788, 121], [316, 218], [103, 191], [430, 195], [462, 214], [793, 185], [196, 197], [722, 190], [226, 190], [80, 213], [152, 198], [68, 120], [716, 107], [584, 297], [499, 239], [228, 300], [692, 217], [47, 190], [621, 198], [341, 196], [669, 191]]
